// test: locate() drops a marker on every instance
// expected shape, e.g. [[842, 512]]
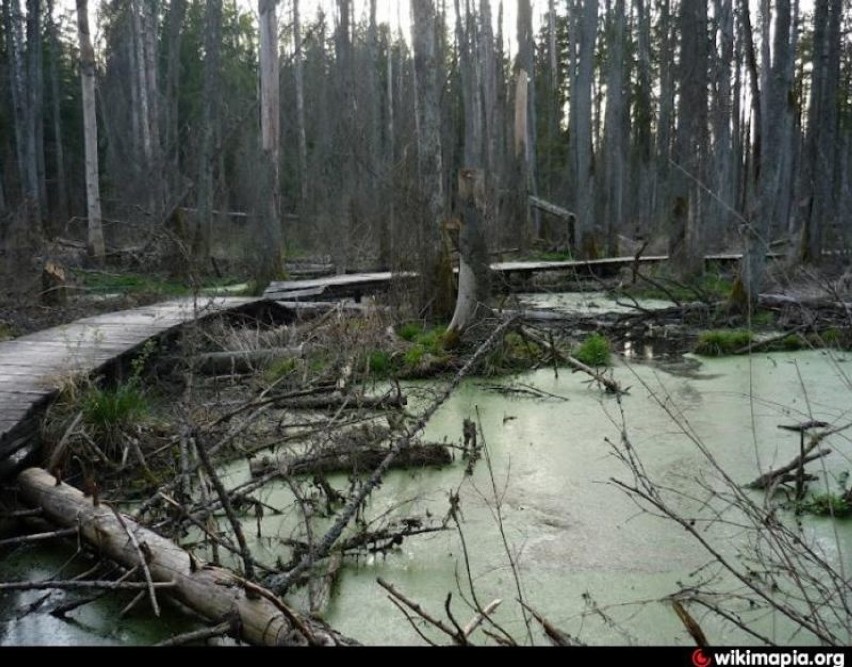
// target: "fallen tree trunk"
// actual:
[[211, 591], [347, 458], [339, 400], [244, 361]]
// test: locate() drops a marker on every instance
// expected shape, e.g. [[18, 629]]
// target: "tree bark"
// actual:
[[59, 148], [298, 73], [436, 283], [90, 130], [211, 591], [209, 123], [171, 116], [581, 126], [270, 251]]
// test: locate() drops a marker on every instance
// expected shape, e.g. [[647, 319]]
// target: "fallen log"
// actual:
[[244, 361], [211, 591], [338, 400], [345, 458]]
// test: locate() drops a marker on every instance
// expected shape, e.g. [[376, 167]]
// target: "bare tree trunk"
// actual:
[[59, 149], [526, 58], [822, 139], [300, 105], [209, 122], [776, 109], [581, 130], [140, 80], [14, 44], [386, 244], [270, 264], [171, 119], [35, 113], [90, 131], [722, 116], [643, 141], [614, 140], [685, 238], [150, 14], [436, 293], [666, 117]]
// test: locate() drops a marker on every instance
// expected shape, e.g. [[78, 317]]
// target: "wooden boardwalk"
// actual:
[[32, 367], [355, 284]]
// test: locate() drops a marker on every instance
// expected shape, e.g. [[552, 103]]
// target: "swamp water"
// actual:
[[586, 556]]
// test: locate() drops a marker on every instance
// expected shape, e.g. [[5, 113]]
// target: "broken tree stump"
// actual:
[[213, 592]]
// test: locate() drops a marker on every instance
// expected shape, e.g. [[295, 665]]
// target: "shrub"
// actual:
[[594, 351]]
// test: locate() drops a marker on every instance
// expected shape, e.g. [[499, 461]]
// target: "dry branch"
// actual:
[[38, 537]]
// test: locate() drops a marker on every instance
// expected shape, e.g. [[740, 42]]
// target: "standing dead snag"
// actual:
[[474, 266], [211, 591]]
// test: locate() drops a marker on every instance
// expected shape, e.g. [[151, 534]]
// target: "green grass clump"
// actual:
[[379, 363], [594, 351], [6, 331], [110, 410], [409, 331], [414, 355], [722, 342]]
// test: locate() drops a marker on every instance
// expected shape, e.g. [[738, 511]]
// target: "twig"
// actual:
[[476, 621], [553, 633], [142, 555], [76, 585], [38, 537], [130, 605], [224, 628], [690, 624], [417, 609], [59, 450], [226, 505]]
